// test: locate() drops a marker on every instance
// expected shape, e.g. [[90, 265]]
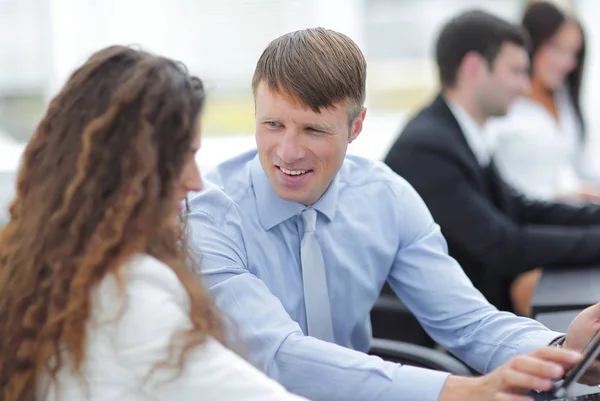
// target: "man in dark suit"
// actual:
[[497, 235]]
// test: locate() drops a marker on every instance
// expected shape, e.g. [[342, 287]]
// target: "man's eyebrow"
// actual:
[[266, 116], [320, 126]]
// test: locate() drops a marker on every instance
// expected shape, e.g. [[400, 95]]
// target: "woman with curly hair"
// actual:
[[98, 300]]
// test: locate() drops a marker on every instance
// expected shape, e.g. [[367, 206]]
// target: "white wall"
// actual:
[[219, 40], [588, 11], [24, 55]]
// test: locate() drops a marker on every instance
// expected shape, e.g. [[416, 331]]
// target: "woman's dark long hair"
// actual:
[[96, 187], [542, 20]]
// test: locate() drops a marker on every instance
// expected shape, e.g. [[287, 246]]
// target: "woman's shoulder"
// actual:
[[524, 109], [143, 273], [141, 283], [156, 308], [524, 117], [146, 269]]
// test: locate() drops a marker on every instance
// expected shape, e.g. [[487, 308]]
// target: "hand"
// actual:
[[509, 382], [580, 332], [589, 194], [583, 195], [521, 291]]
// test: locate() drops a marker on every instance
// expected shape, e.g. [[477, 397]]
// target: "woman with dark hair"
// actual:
[[539, 146], [98, 300]]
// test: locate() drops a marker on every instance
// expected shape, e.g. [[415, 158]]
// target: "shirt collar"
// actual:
[[273, 210], [473, 133]]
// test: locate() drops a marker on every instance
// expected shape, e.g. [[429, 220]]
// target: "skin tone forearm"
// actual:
[[460, 388]]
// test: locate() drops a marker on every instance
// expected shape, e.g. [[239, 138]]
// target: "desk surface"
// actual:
[[569, 289]]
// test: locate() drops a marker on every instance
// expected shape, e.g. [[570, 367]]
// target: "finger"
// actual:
[[594, 367], [593, 310], [515, 380], [537, 367], [591, 377], [561, 356], [511, 397]]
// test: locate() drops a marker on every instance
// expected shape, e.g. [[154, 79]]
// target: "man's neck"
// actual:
[[468, 106]]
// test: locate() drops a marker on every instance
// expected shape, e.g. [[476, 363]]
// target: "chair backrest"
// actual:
[[416, 355], [391, 319]]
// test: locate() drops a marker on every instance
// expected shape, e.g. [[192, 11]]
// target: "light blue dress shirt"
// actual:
[[372, 227]]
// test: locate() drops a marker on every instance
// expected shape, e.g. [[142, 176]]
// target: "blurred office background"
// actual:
[[42, 41]]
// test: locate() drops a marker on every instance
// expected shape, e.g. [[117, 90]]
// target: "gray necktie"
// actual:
[[316, 295]]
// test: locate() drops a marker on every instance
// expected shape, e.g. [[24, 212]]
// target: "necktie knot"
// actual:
[[309, 217]]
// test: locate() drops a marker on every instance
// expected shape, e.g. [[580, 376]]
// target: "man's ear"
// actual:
[[472, 66], [357, 124]]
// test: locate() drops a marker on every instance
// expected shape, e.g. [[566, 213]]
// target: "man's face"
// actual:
[[301, 150], [507, 80]]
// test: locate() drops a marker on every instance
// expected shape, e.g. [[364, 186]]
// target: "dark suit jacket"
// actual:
[[494, 232]]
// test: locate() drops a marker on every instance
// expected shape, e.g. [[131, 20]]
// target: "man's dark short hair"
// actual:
[[473, 31]]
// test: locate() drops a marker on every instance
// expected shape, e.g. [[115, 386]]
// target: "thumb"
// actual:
[[593, 311], [592, 314]]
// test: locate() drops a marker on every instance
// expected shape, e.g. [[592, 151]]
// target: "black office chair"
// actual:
[[391, 319], [416, 355]]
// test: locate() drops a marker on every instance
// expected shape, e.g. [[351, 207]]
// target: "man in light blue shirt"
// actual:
[[253, 226]]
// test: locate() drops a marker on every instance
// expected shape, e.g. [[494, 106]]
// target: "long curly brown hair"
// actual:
[[96, 186]]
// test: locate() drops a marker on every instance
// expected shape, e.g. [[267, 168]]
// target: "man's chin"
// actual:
[[291, 195]]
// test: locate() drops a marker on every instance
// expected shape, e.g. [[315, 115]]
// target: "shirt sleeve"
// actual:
[[454, 313], [275, 344]]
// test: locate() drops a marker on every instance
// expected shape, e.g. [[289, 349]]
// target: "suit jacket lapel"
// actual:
[[441, 109], [488, 179]]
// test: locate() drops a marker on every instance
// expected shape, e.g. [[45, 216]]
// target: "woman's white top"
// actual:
[[122, 349], [535, 153]]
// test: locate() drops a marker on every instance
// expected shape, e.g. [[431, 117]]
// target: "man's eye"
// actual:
[[273, 124]]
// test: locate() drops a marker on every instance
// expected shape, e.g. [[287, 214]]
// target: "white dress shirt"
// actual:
[[540, 156], [127, 337], [473, 133]]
